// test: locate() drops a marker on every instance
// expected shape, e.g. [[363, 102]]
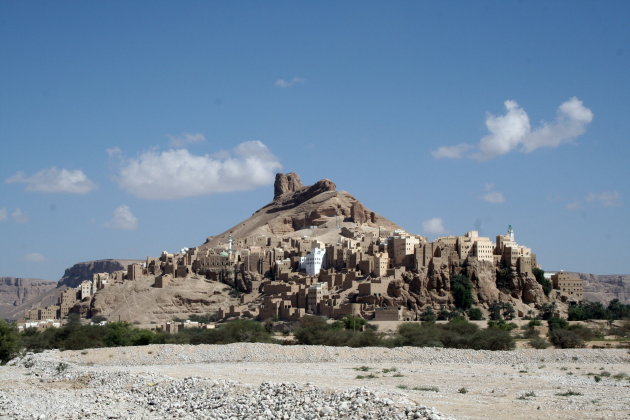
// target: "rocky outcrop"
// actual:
[[241, 280], [79, 272], [296, 207], [431, 286], [138, 301], [286, 183], [18, 295]]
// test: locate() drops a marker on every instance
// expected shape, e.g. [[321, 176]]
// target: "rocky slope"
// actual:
[[18, 295], [139, 301], [74, 275], [296, 207], [432, 286]]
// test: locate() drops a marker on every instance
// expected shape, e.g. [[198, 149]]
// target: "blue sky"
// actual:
[[129, 128]]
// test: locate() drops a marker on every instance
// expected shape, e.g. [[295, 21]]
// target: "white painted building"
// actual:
[[313, 261]]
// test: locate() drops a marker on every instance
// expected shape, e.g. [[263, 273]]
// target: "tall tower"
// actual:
[[230, 245], [510, 233]]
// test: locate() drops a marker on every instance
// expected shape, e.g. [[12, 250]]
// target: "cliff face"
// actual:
[[18, 295], [432, 286], [79, 272]]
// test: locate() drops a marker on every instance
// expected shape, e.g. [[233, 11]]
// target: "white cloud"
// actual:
[[492, 196], [513, 131], [451, 152], [605, 198], [433, 226], [53, 180], [19, 216], [113, 152], [3, 214], [123, 219], [34, 257], [173, 174], [288, 83], [186, 138]]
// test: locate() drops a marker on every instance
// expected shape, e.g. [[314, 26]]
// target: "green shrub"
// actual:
[[557, 323], [530, 332], [495, 311], [540, 278], [458, 333], [417, 335], [236, 331], [618, 310], [547, 311], [443, 315], [565, 339], [538, 342], [428, 315], [315, 330], [10, 343], [501, 310], [492, 339], [119, 334], [475, 314], [505, 278], [354, 323], [595, 310], [461, 288], [583, 332], [502, 325], [587, 310], [312, 330]]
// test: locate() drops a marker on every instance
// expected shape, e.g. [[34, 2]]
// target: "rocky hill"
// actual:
[[212, 277], [74, 275], [18, 295], [296, 207], [138, 301]]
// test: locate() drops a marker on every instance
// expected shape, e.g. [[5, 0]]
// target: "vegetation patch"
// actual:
[[568, 393], [426, 388]]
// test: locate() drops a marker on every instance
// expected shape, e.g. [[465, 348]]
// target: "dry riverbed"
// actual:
[[271, 381]]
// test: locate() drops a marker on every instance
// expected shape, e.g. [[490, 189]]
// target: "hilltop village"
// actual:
[[286, 279], [315, 250]]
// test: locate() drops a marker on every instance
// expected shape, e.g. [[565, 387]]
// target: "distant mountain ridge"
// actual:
[[20, 294], [606, 287], [81, 271]]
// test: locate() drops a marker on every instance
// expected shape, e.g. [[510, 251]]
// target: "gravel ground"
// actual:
[[251, 380]]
